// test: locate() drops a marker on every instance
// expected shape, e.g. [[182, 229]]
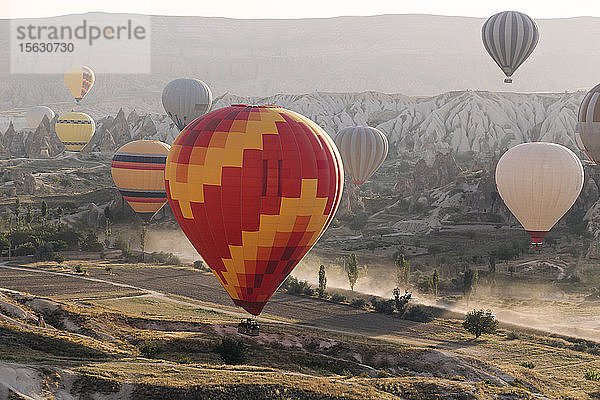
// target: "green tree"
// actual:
[[400, 301], [29, 215], [59, 213], [492, 268], [478, 322], [143, 240], [468, 283], [402, 270], [435, 280], [352, 269], [44, 211], [18, 211], [322, 281]]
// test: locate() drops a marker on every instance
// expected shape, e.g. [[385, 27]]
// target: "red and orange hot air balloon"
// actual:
[[253, 188]]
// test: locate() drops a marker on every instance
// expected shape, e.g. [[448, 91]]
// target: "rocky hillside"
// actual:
[[467, 124]]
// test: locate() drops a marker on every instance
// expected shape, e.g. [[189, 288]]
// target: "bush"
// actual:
[[59, 259], [45, 252], [338, 298], [512, 335], [592, 375], [479, 322], [384, 306], [358, 303], [108, 269], [294, 286], [231, 351], [528, 364], [308, 291], [91, 243], [199, 264], [121, 243], [165, 258], [150, 348], [417, 313], [25, 249], [128, 255], [79, 269]]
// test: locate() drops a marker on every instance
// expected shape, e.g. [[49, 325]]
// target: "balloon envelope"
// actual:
[[79, 80], [138, 170], [363, 150], [253, 188], [587, 132], [35, 115], [75, 130], [186, 99], [509, 37], [539, 182]]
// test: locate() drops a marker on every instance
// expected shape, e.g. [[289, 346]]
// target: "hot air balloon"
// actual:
[[587, 132], [186, 99], [509, 37], [35, 115], [539, 182], [138, 170], [253, 188], [79, 80], [75, 129], [363, 150]]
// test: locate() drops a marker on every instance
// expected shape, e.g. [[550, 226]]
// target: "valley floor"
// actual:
[[94, 324]]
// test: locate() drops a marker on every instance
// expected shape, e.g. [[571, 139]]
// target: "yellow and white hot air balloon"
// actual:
[[363, 150], [75, 130], [79, 80], [35, 115], [539, 182], [138, 169]]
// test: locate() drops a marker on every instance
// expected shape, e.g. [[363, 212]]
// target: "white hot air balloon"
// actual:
[[186, 99], [363, 150], [539, 182], [35, 115]]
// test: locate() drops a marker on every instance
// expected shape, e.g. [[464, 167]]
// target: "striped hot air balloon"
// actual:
[[587, 131], [186, 99], [35, 115], [363, 150], [253, 188], [539, 182], [138, 172], [509, 37], [79, 80], [75, 130]]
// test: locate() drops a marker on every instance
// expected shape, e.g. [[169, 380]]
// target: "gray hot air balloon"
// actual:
[[35, 115], [509, 37], [363, 150], [186, 99], [587, 131]]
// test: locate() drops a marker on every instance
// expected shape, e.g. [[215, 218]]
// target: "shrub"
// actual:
[[121, 243], [185, 360], [44, 252], [294, 286], [417, 313], [59, 258], [150, 348], [128, 255], [512, 335], [592, 375], [479, 322], [79, 269], [308, 291], [108, 269], [199, 264], [358, 303], [528, 364], [25, 249], [91, 243], [384, 306], [165, 258], [338, 298], [231, 350]]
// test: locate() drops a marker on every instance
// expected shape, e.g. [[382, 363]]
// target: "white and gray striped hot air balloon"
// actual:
[[186, 99], [587, 131], [35, 115], [363, 150], [509, 37]]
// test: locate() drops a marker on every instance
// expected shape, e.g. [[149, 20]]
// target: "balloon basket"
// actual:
[[248, 327], [508, 80]]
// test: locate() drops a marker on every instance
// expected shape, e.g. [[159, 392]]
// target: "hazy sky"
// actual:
[[299, 8]]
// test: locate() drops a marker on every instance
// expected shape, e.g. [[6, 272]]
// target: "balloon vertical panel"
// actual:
[[253, 188]]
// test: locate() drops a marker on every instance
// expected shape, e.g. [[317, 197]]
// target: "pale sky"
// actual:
[[299, 8]]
